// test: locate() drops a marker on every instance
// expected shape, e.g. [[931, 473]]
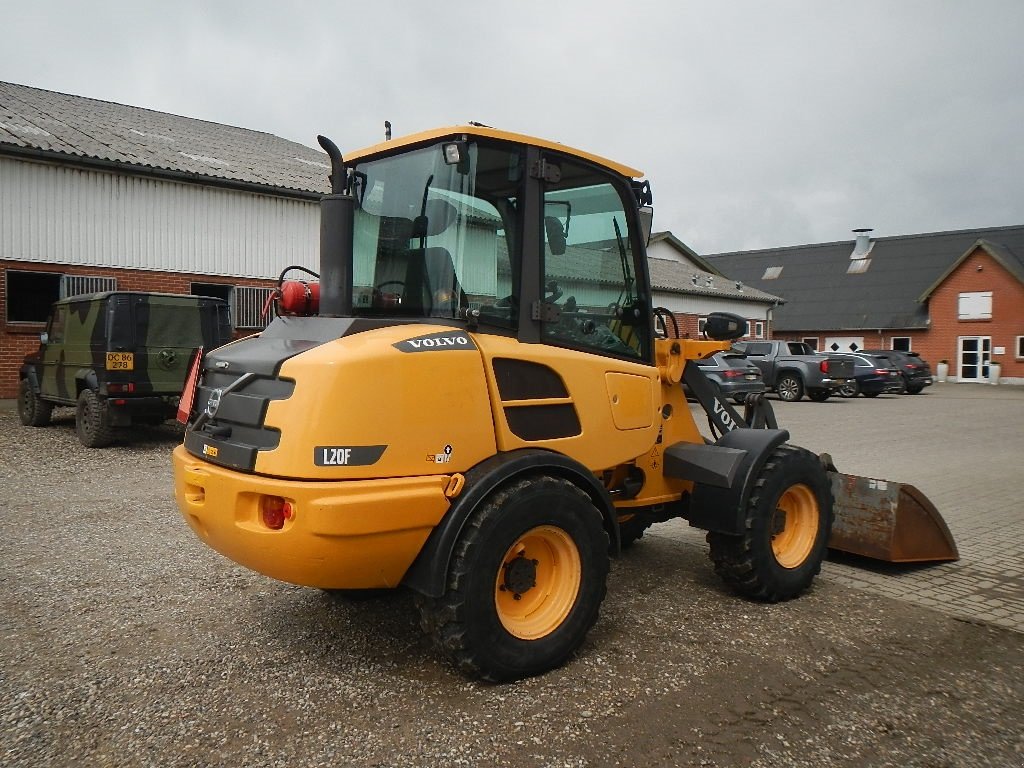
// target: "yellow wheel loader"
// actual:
[[477, 401]]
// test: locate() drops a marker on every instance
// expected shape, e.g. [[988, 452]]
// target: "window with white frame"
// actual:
[[1020, 347], [811, 341], [249, 304], [759, 329], [975, 305], [900, 343]]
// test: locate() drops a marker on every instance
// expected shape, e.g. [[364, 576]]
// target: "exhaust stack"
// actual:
[[336, 216]]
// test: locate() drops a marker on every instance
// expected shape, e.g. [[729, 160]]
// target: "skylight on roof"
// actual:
[[772, 273], [214, 161]]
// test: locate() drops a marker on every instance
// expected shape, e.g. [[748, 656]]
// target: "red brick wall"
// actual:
[[20, 339], [688, 326], [979, 272]]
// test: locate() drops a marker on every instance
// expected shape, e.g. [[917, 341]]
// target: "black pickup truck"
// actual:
[[791, 368]]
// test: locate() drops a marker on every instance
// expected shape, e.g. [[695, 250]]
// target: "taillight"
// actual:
[[911, 366], [882, 372], [823, 365], [188, 394], [274, 511], [732, 374], [120, 389]]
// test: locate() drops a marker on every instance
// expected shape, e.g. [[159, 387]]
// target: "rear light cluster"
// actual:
[[732, 374], [823, 365], [275, 511], [120, 389]]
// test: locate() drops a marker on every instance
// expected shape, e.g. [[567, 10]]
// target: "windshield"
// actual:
[[433, 238]]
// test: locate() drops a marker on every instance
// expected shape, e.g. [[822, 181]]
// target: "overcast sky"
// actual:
[[759, 124]]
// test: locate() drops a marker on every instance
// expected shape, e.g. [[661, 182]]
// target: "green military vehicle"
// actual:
[[119, 357]]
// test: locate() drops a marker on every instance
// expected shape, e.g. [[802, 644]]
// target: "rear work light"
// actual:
[[120, 389], [274, 510]]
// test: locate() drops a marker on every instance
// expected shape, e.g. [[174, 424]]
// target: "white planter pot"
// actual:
[[994, 369], [941, 371]]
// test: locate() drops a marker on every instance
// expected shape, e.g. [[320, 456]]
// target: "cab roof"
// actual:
[[456, 131]]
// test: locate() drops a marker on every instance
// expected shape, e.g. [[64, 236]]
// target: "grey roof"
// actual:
[[673, 277], [57, 126], [679, 245], [821, 295]]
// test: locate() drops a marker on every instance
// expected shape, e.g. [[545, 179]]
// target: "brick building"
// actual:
[[950, 296], [101, 196]]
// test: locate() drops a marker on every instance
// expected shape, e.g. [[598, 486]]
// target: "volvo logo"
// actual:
[[214, 402]]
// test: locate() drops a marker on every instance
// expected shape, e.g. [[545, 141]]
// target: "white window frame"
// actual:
[[1020, 347], [701, 322], [892, 342], [811, 341], [975, 305], [759, 329], [248, 309]]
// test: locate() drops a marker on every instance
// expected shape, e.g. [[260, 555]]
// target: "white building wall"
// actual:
[[703, 305], [56, 214]]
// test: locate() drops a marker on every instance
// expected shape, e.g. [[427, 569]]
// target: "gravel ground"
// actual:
[[125, 642]]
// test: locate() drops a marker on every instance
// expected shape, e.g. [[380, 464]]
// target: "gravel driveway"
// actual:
[[128, 643]]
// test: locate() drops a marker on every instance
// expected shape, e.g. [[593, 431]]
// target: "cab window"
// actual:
[[589, 269]]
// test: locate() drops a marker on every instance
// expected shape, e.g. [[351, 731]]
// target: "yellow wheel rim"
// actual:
[[537, 582], [794, 526]]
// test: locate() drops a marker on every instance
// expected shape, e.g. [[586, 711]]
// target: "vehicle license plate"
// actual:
[[750, 376], [120, 361]]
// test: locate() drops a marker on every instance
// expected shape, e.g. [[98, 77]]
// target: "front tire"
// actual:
[[786, 530], [818, 395], [32, 410], [790, 388], [525, 583], [92, 421]]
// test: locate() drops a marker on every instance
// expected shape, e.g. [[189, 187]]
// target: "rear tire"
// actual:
[[818, 395], [786, 530], [92, 421], [789, 388], [525, 583], [914, 390], [849, 390], [871, 394], [32, 410]]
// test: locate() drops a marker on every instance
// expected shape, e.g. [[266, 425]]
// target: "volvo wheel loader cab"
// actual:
[[483, 407]]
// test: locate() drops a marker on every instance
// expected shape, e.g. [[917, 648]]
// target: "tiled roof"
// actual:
[[44, 123], [674, 277], [821, 294]]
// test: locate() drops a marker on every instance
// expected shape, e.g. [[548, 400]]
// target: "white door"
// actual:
[[975, 353]]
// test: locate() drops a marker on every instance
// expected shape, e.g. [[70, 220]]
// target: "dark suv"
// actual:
[[916, 372], [732, 374], [119, 358]]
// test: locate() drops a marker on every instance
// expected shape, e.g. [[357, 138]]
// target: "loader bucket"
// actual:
[[888, 521]]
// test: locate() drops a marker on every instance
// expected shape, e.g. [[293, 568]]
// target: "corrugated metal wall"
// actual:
[[56, 214]]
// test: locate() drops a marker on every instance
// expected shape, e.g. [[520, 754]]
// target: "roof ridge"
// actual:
[[875, 239]]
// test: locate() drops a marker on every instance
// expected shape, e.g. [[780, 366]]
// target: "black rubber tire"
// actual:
[[871, 394], [789, 387], [748, 563], [818, 395], [849, 390], [740, 399], [914, 390], [92, 422], [465, 624], [33, 411], [631, 531]]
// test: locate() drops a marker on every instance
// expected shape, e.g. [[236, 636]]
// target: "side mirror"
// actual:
[[646, 222], [725, 326], [556, 235], [44, 338]]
